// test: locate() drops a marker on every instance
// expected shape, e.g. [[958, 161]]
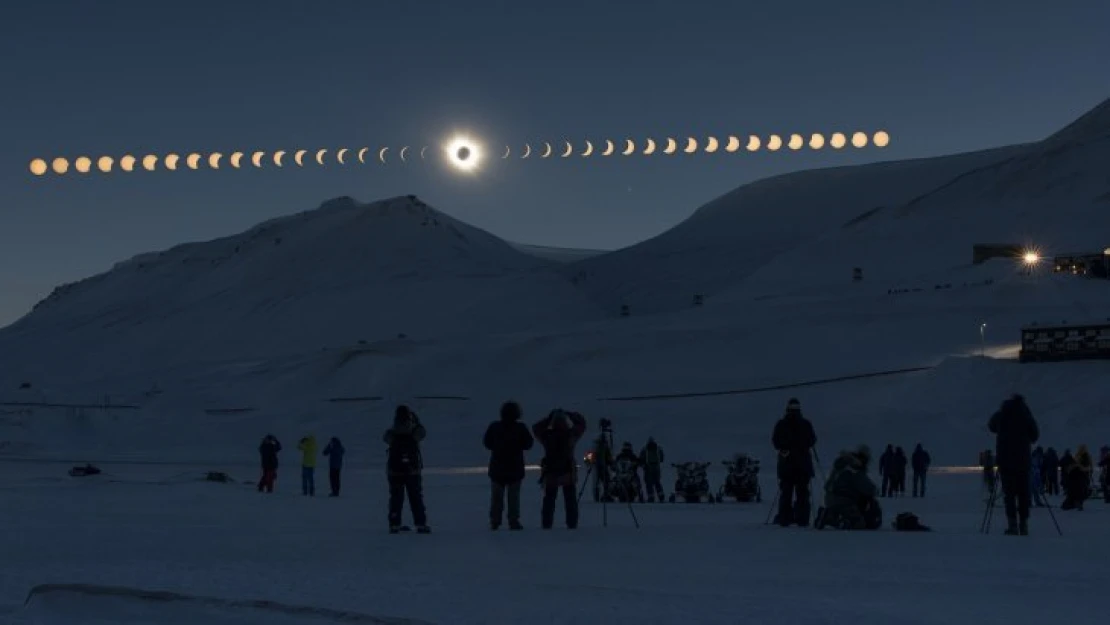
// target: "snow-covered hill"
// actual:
[[342, 273], [897, 220]]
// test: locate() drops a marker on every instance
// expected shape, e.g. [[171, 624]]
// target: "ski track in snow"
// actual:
[[689, 562]]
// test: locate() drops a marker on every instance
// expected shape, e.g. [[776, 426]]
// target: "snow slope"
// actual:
[[896, 220], [232, 548], [331, 276], [557, 254]]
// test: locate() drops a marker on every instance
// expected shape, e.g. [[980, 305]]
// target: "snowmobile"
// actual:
[[692, 483], [742, 481], [626, 484]]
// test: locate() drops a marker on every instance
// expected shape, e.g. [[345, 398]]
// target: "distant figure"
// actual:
[[334, 451], [1050, 469], [268, 451], [1076, 473], [898, 472], [559, 432], [885, 462], [920, 462], [602, 467], [307, 447], [1015, 432], [652, 458], [850, 502], [1104, 472], [794, 439], [506, 439], [404, 467]]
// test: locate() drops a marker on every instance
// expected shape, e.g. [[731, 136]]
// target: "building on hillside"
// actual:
[[1086, 264], [982, 252], [1065, 341]]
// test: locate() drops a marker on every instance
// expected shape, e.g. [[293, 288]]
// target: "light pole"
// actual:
[[982, 340]]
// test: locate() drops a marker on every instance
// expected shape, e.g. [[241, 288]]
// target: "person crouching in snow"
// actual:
[[506, 439], [404, 464], [307, 447], [850, 495], [268, 451], [334, 451], [559, 432]]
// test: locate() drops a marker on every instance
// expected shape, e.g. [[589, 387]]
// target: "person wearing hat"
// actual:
[[1015, 432], [850, 502], [794, 439], [506, 439]]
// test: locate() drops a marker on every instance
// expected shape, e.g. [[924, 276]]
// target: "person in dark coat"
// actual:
[[268, 451], [335, 452], [559, 432], [506, 439], [850, 502], [920, 461], [404, 465], [651, 458], [885, 462], [1015, 432], [1076, 475], [898, 472], [794, 439], [1050, 469]]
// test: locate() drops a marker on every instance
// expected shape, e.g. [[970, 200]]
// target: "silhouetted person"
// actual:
[[307, 447], [920, 462], [268, 452], [335, 452], [559, 432], [1015, 432], [885, 462], [506, 439], [404, 466], [898, 472], [651, 458], [794, 438]]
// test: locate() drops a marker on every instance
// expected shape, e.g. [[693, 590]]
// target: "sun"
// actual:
[[463, 153]]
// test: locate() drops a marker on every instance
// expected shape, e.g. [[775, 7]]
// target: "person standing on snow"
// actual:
[[334, 451], [885, 462], [1015, 432], [652, 458], [559, 432], [404, 465], [898, 472], [920, 460], [268, 451], [794, 439], [307, 447], [506, 439], [603, 467]]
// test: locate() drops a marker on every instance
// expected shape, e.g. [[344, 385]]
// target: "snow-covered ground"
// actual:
[[159, 529]]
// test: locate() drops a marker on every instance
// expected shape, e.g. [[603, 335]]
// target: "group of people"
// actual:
[[892, 470], [618, 477], [850, 497], [1049, 473], [270, 447]]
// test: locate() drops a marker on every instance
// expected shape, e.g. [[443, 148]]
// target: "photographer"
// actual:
[[403, 467], [559, 432], [794, 438], [507, 439], [603, 461]]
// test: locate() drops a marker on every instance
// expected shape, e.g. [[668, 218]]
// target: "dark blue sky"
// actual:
[[116, 77]]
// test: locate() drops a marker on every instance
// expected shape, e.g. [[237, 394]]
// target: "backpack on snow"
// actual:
[[908, 522], [404, 455]]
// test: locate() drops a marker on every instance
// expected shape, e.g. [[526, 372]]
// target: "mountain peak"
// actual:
[[1093, 125]]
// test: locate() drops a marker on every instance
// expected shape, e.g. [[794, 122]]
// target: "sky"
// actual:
[[119, 77]]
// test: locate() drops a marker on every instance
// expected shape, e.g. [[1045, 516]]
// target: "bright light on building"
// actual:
[[1031, 258]]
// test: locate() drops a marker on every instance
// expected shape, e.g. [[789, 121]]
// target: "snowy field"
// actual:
[[158, 529]]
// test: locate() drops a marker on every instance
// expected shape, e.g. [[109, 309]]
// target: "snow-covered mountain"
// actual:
[[896, 220], [342, 273]]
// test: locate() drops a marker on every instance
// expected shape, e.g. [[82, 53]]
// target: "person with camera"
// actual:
[[404, 464], [794, 439], [268, 452], [559, 432], [307, 447], [506, 439], [1015, 432]]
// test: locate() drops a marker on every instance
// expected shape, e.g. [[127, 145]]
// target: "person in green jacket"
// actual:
[[850, 501]]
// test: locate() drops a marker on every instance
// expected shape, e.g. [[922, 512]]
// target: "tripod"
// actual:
[[603, 477], [988, 514]]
